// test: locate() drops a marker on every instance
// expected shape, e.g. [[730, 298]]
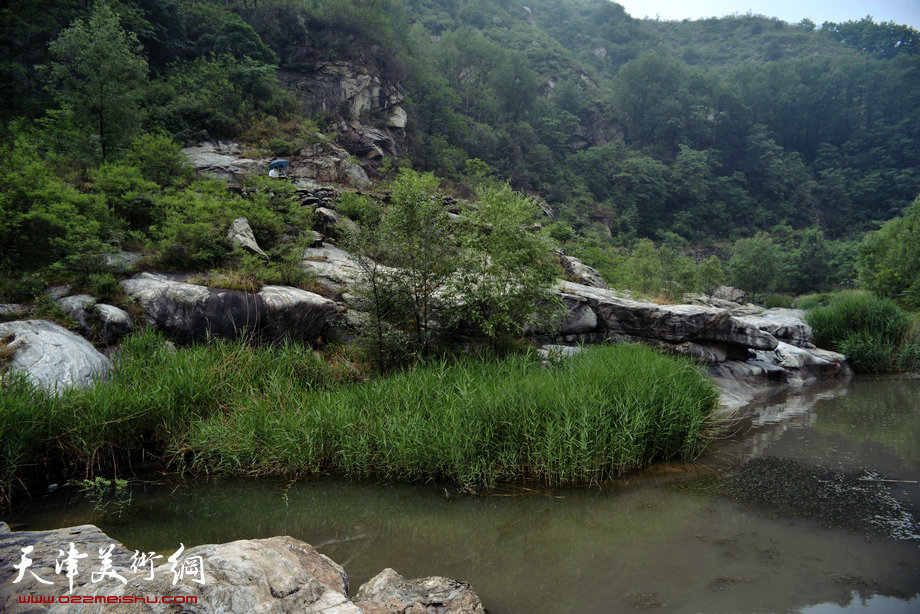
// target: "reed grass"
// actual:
[[285, 410]]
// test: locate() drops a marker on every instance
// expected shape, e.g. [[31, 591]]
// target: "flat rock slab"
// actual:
[[784, 324], [188, 312], [674, 324], [53, 357]]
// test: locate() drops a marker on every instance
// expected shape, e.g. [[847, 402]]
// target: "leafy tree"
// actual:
[[889, 258], [505, 273], [417, 244], [709, 274], [406, 254], [645, 271], [160, 159], [755, 264], [44, 219], [98, 72], [812, 261]]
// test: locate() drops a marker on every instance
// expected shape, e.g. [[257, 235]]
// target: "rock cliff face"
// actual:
[[279, 574], [365, 105]]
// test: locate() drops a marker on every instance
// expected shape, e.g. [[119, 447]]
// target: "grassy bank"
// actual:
[[228, 407], [875, 334]]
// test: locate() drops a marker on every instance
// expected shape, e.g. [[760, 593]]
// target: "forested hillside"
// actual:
[[692, 134]]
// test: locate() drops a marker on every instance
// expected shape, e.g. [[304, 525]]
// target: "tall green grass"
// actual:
[[875, 334], [230, 408]]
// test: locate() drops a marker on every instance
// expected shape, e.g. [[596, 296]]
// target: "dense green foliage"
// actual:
[[685, 133], [875, 334], [425, 278], [285, 410], [889, 259]]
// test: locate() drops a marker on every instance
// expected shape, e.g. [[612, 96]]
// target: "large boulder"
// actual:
[[78, 307], [580, 317], [327, 162], [390, 593], [113, 323], [51, 356], [261, 576], [334, 268], [731, 294], [189, 312]]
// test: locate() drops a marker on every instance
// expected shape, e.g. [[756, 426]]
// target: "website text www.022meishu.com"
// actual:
[[107, 599]]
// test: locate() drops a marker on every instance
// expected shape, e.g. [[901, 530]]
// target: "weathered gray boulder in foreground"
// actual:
[[275, 575], [388, 592], [189, 312], [51, 356]]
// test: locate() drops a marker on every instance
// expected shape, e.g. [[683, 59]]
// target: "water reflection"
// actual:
[[663, 540]]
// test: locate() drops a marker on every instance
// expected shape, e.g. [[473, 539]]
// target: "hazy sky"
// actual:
[[793, 11]]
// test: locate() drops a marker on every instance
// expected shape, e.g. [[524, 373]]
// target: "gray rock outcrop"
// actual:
[[78, 307], [731, 294], [624, 319], [328, 163], [189, 312], [113, 323], [334, 268], [240, 233], [580, 272], [278, 574], [224, 160], [390, 593], [353, 90], [51, 356]]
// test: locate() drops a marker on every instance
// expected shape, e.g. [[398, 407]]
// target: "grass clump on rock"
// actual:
[[288, 411], [875, 334]]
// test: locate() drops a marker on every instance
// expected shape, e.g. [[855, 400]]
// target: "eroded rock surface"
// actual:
[[225, 160], [189, 312], [274, 575], [390, 593]]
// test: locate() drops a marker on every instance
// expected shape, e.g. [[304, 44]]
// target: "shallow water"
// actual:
[[663, 540]]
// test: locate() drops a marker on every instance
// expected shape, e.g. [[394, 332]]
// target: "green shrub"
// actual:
[[104, 286], [359, 207], [779, 300], [870, 330], [810, 301]]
